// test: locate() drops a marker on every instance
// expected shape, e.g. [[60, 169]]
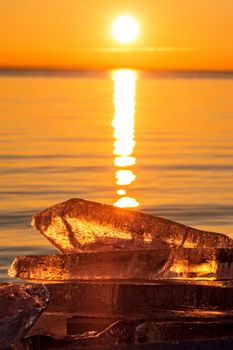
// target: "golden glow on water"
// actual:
[[121, 192], [124, 161], [126, 202], [123, 125], [123, 146], [124, 177]]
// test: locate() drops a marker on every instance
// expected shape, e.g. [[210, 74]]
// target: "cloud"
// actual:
[[138, 49], [143, 49]]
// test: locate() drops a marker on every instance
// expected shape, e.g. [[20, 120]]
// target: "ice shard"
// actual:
[[20, 306], [78, 225], [142, 265]]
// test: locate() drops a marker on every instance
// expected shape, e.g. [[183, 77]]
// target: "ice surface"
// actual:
[[147, 265], [78, 225], [20, 306]]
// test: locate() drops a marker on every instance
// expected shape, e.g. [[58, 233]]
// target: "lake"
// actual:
[[160, 143]]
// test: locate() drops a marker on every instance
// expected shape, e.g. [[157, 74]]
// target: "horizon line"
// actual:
[[107, 69]]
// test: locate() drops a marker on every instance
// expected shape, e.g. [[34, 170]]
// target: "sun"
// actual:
[[125, 29]]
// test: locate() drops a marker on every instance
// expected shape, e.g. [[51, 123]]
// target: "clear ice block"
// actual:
[[143, 265], [78, 225]]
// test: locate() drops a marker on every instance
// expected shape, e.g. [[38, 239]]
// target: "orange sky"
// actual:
[[174, 34]]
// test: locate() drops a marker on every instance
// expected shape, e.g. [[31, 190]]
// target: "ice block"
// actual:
[[137, 265], [20, 306], [131, 334], [137, 300], [78, 225]]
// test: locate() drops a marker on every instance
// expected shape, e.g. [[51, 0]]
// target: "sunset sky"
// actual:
[[173, 35]]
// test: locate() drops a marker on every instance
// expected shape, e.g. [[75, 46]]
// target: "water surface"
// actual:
[[162, 144]]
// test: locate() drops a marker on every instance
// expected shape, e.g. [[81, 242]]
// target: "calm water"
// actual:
[[163, 143]]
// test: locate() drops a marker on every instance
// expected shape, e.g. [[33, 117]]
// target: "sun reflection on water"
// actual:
[[123, 125], [124, 161]]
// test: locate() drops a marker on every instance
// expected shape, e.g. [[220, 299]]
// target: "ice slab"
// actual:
[[61, 325], [78, 225], [20, 306], [142, 332], [149, 265], [134, 300], [223, 343]]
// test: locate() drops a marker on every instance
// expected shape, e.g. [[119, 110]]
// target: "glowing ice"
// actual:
[[78, 225], [148, 265]]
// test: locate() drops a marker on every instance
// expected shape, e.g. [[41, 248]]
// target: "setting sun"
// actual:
[[125, 29]]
